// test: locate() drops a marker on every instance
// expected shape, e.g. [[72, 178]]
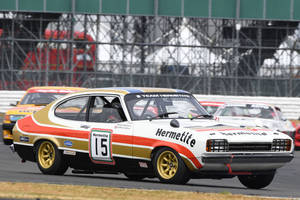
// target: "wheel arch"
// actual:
[[41, 139], [176, 148]]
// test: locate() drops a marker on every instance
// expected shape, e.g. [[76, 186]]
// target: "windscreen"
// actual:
[[163, 105], [40, 98]]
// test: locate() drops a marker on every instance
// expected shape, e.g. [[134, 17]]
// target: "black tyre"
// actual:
[[49, 159], [257, 181], [135, 177], [169, 167], [7, 141]]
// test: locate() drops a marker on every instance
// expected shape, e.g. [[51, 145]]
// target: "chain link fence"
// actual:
[[203, 56]]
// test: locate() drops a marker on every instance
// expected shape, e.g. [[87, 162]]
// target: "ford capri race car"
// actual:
[[147, 132], [33, 100]]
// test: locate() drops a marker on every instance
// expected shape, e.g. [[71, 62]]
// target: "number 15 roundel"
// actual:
[[100, 146]]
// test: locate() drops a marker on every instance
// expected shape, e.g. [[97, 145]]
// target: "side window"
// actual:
[[144, 109], [106, 109], [96, 109], [73, 109]]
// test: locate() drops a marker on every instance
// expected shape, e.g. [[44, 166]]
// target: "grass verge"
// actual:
[[44, 191]]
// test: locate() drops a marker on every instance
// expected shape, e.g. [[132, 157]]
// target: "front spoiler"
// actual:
[[247, 158]]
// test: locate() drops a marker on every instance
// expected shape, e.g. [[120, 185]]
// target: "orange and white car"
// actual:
[[33, 100], [111, 130], [211, 106]]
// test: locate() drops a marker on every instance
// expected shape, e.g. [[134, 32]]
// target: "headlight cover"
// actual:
[[217, 145], [281, 145], [14, 118]]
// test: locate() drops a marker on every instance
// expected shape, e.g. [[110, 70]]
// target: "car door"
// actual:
[[110, 131]]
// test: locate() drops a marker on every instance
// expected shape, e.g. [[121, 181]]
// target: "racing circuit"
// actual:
[[285, 184], [227, 49]]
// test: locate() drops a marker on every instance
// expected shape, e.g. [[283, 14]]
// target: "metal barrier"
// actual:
[[290, 106], [9, 97]]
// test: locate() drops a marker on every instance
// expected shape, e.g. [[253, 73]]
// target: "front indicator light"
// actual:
[[6, 117]]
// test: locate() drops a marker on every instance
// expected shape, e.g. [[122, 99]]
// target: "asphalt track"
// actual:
[[285, 184]]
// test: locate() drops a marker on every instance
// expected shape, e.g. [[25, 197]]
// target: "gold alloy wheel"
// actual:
[[46, 154], [167, 164]]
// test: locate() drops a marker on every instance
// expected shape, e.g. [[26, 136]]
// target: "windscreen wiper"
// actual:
[[202, 116], [162, 115]]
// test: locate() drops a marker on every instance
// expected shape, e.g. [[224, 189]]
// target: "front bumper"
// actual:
[[247, 158], [7, 131]]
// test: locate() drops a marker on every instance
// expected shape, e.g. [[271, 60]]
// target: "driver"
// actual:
[[116, 113]]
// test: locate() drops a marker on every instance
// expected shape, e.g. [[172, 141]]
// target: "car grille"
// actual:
[[248, 147], [222, 145]]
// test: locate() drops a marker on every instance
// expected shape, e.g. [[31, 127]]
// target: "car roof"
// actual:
[[134, 90], [53, 89], [236, 103], [211, 103]]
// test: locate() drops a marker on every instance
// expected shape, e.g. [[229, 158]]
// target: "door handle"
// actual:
[[84, 126]]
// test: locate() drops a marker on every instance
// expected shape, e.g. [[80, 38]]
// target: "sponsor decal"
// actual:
[[184, 137], [143, 165], [68, 152], [123, 126], [162, 96], [244, 133], [68, 143], [24, 139], [100, 147]]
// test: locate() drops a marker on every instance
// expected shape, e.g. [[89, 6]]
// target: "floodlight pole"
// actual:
[[238, 27]]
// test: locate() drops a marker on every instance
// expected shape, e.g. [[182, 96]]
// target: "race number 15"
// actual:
[[100, 146]]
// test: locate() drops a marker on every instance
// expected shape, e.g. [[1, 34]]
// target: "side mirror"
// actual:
[[14, 103], [174, 123]]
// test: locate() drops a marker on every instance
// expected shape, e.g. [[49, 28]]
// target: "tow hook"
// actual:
[[12, 148]]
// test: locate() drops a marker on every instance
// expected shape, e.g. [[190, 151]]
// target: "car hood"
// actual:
[[284, 126], [24, 110], [212, 129]]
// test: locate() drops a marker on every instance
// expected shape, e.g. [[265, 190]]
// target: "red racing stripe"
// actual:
[[28, 125], [136, 140], [231, 129]]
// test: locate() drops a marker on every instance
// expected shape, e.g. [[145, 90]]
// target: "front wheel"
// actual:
[[49, 159], [7, 141], [257, 181], [169, 167]]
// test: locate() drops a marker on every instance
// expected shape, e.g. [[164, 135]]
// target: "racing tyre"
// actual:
[[49, 159], [135, 177], [169, 167], [7, 141], [257, 181]]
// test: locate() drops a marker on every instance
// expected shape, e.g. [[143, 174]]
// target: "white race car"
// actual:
[[255, 115], [147, 132]]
